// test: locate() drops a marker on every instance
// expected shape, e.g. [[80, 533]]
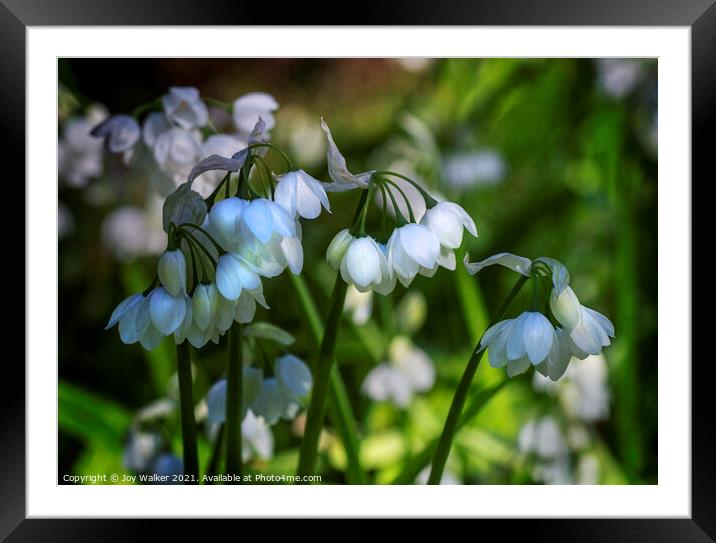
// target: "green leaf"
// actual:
[[266, 330]]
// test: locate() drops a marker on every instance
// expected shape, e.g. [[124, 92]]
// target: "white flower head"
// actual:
[[257, 439], [166, 310], [183, 107], [365, 266], [293, 375], [517, 343], [409, 370], [447, 220], [300, 194], [120, 133], [252, 382], [359, 305], [176, 151], [251, 107], [79, 154], [412, 249], [274, 402], [338, 171]]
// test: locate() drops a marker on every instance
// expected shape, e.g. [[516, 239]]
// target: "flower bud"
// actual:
[[337, 249], [172, 272]]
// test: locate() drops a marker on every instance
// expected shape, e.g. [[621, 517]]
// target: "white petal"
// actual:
[[167, 311], [362, 263], [420, 243], [538, 336], [204, 304], [214, 162], [124, 306], [225, 216], [293, 252], [337, 248], [259, 219], [337, 169], [516, 263], [560, 274], [171, 270], [566, 307], [245, 308], [517, 367], [516, 340], [603, 321], [293, 374], [285, 193]]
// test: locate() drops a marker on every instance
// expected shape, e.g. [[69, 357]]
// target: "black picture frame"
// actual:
[[16, 15]]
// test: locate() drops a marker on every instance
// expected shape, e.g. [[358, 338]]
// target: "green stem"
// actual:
[[458, 401], [321, 381], [419, 461], [339, 407], [234, 387], [186, 405], [213, 467]]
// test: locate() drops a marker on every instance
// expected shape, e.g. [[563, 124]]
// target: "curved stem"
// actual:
[[339, 407], [234, 386], [429, 200], [458, 402], [322, 374], [411, 216], [271, 146], [186, 407]]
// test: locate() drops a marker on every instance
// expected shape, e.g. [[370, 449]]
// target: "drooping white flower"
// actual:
[[447, 220], [469, 169], [167, 311], [293, 374], [233, 274], [251, 107], [408, 370], [176, 151], [79, 154], [517, 343], [274, 402], [257, 439], [365, 266], [359, 305], [119, 132], [252, 383], [300, 194], [183, 107], [543, 437], [171, 270], [338, 171], [412, 249], [584, 391], [263, 217], [591, 335], [225, 222], [141, 449]]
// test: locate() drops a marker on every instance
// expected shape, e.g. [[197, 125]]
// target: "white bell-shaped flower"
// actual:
[[167, 311], [591, 335], [171, 270], [257, 439], [365, 266], [225, 221], [120, 133], [262, 218], [408, 370], [447, 220], [183, 107], [233, 274], [565, 307], [300, 194], [274, 402], [413, 249], [251, 107], [293, 374], [517, 343], [252, 382], [176, 151]]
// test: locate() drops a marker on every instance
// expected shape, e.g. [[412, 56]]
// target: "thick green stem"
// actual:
[[186, 405], [234, 387], [339, 407], [321, 382], [458, 401]]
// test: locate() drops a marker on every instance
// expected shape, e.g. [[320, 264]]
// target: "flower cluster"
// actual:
[[413, 248], [269, 398], [175, 131], [531, 338]]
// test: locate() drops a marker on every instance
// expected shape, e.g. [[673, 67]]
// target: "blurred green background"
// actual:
[[551, 157]]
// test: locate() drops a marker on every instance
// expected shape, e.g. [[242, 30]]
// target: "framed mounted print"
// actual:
[[359, 271]]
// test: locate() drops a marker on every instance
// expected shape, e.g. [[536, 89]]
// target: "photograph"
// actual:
[[357, 271]]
